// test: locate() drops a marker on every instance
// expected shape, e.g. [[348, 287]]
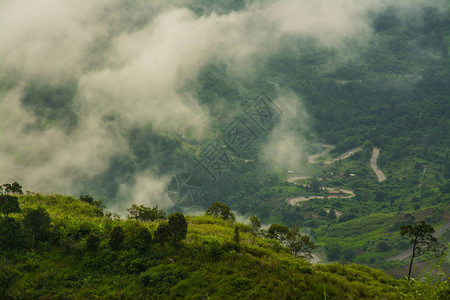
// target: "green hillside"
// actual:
[[332, 117], [208, 264]]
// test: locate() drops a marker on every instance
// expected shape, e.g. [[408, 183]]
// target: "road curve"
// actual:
[[312, 158], [408, 253], [344, 156], [373, 164]]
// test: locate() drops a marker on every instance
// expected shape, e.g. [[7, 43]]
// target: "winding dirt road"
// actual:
[[334, 193], [408, 253], [344, 156], [312, 158], [373, 164]]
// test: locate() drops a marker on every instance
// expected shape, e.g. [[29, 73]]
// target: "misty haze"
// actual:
[[224, 149]]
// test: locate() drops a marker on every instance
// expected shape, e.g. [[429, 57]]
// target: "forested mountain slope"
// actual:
[[116, 100], [84, 254]]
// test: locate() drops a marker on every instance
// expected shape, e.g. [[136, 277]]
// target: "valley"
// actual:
[[277, 131]]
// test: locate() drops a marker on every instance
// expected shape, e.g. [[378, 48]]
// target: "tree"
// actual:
[[87, 198], [116, 237], [219, 209], [8, 205], [278, 232], [92, 242], [255, 223], [178, 227], [300, 245], [38, 221], [422, 239], [90, 200], [315, 185], [11, 234], [137, 236], [143, 213], [14, 188], [163, 233]]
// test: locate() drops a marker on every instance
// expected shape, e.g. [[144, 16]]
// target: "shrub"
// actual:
[[137, 236], [116, 237], [92, 242], [9, 204], [178, 227], [162, 233]]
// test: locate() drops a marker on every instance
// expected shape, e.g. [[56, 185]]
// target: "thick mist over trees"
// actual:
[[103, 97]]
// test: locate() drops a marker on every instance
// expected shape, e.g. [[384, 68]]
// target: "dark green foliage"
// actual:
[[90, 200], [178, 227], [143, 213], [137, 236], [38, 222], [331, 215], [163, 233], [173, 231], [14, 188], [163, 277], [92, 242], [7, 275], [367, 148], [116, 237], [220, 209], [278, 232], [11, 234], [333, 251], [315, 185], [8, 205]]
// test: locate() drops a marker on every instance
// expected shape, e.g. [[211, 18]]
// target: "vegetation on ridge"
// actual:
[[85, 255]]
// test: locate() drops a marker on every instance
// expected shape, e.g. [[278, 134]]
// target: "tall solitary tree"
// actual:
[[422, 239]]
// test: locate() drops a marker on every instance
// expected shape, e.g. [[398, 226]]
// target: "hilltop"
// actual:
[[210, 263]]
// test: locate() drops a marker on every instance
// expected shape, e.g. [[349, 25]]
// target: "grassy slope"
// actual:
[[207, 265]]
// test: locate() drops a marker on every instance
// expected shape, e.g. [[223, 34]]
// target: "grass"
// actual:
[[207, 265]]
